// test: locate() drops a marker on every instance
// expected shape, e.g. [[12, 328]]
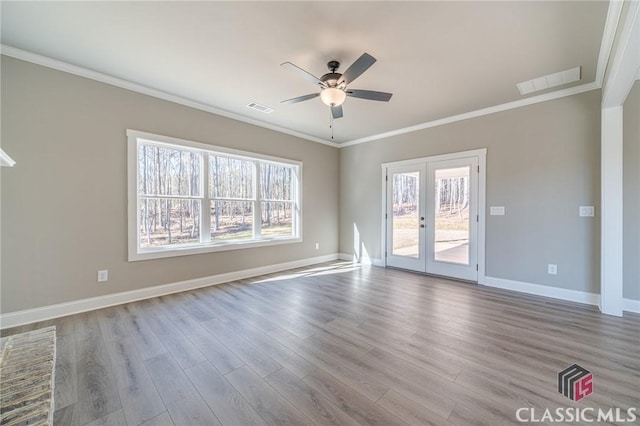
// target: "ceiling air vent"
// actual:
[[549, 80], [260, 108]]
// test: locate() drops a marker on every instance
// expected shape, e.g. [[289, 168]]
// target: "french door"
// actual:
[[432, 217], [406, 235]]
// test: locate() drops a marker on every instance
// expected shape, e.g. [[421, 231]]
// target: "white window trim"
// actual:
[[136, 254]]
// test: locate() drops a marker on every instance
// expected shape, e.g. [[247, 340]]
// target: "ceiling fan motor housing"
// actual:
[[331, 79]]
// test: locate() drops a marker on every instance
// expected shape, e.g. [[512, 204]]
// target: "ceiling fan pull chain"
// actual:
[[331, 123]]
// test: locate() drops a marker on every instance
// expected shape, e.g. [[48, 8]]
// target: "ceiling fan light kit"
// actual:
[[332, 96]]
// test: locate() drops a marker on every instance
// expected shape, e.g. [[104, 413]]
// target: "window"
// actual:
[[187, 198]]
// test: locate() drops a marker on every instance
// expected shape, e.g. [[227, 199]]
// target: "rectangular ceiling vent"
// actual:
[[261, 108], [549, 80]]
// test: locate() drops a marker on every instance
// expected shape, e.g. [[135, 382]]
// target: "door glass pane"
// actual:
[[406, 220], [451, 242]]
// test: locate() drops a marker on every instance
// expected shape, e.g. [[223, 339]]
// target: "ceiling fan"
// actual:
[[333, 85]]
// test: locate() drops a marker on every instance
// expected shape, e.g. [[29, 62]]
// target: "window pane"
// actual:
[[230, 178], [406, 217], [276, 182], [451, 242], [277, 219], [168, 171], [169, 221], [231, 220]]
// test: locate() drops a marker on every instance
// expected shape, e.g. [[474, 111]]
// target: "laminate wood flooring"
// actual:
[[337, 344]]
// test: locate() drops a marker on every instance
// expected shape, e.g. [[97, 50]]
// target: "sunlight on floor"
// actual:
[[331, 269]]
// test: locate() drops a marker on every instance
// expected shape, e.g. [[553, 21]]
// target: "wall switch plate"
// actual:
[[103, 275], [552, 269], [497, 210], [587, 211], [317, 246]]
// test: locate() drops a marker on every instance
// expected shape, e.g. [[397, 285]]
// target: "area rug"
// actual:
[[27, 377]]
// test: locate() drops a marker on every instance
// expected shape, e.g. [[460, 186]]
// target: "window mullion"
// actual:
[[205, 216], [257, 205], [296, 196]]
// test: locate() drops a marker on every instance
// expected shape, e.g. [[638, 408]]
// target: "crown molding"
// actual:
[[45, 61], [624, 63], [608, 36], [135, 87], [479, 113], [610, 27]]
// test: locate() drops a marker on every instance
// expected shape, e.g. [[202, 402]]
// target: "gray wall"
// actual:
[[631, 188], [543, 161], [64, 205]]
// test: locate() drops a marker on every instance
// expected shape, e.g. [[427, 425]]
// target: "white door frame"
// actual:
[[481, 155]]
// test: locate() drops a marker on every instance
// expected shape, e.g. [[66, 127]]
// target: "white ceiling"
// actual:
[[438, 58]]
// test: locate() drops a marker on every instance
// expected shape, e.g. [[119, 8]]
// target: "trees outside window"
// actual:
[[194, 196]]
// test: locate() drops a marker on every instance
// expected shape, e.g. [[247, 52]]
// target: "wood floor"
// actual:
[[337, 344]]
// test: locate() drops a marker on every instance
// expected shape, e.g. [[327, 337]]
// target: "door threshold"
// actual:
[[433, 275]]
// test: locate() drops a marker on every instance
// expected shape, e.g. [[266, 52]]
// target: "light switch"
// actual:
[[587, 211], [497, 210]]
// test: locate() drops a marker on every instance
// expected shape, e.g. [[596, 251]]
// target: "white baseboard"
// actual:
[[544, 290], [631, 305], [628, 305], [363, 260], [28, 316]]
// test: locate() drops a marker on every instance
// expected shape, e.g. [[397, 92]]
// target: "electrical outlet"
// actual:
[[103, 275], [587, 211], [552, 269], [317, 246]]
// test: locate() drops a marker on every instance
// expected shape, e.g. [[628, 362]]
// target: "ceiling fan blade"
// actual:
[[371, 95], [305, 74], [336, 112], [357, 68], [300, 98]]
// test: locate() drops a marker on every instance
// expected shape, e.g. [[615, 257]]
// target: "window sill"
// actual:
[[160, 252]]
